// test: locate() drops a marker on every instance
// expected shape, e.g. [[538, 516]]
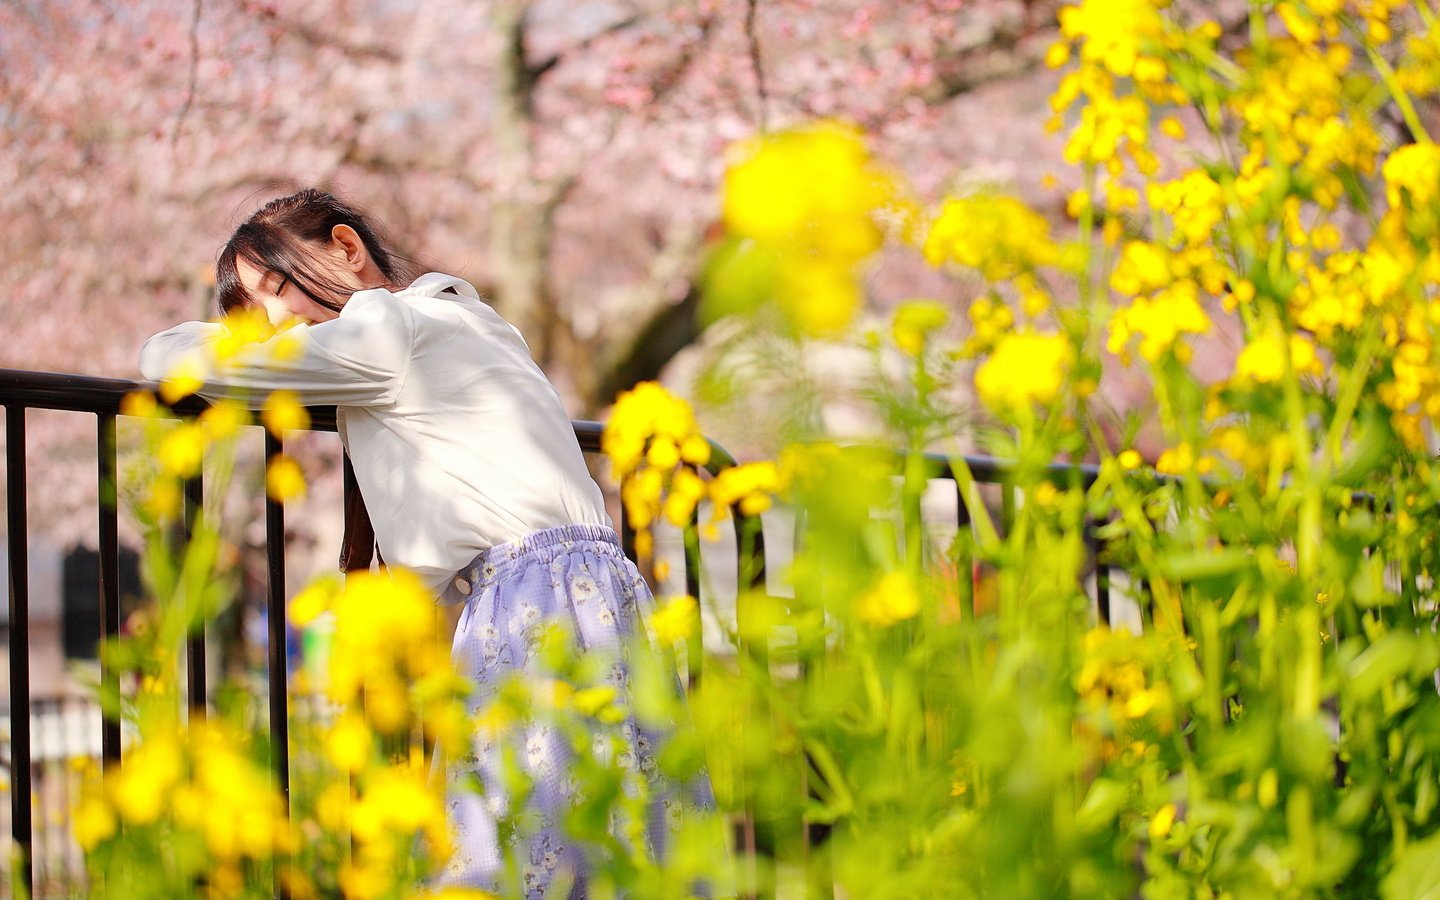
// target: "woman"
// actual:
[[465, 452]]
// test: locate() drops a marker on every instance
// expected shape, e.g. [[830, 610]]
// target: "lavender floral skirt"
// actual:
[[575, 577]]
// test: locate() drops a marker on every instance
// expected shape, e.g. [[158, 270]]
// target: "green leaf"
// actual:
[[738, 276], [1196, 565], [1102, 804], [1385, 660], [1416, 875]]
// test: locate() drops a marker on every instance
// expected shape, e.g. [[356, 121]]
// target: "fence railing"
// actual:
[[21, 391]]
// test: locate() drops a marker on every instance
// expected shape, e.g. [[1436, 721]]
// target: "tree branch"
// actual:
[[544, 66], [316, 37], [190, 90], [757, 64]]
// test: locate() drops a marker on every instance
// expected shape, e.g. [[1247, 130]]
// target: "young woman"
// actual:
[[463, 449]]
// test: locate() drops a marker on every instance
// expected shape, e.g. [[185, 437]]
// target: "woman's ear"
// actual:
[[348, 242]]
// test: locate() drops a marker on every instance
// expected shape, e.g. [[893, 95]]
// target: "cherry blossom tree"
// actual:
[[564, 156]]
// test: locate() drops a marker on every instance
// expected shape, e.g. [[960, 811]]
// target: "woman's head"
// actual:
[[304, 255]]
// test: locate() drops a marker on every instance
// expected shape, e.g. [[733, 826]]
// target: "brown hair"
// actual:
[[274, 239]]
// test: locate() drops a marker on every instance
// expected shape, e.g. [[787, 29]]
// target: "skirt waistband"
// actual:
[[489, 566]]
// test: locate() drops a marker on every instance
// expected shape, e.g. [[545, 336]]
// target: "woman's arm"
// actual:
[[358, 359]]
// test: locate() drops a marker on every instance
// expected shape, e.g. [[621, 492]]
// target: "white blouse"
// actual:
[[458, 440]]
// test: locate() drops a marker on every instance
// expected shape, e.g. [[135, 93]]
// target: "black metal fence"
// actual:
[[21, 391]]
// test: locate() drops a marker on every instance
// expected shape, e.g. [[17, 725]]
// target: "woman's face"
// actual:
[[282, 298]]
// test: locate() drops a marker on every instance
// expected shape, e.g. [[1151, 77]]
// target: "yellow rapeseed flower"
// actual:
[[820, 295], [184, 378], [140, 404], [1263, 359], [644, 412], [224, 419], [182, 449], [1162, 821], [914, 322], [314, 599], [814, 189], [687, 489], [997, 235], [141, 790], [1112, 33], [750, 487], [1025, 369], [1160, 321], [892, 598], [675, 621], [348, 743], [243, 328], [284, 479], [92, 823], [283, 412]]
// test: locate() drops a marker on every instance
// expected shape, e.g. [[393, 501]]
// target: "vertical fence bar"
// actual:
[[750, 576], [1102, 574], [195, 644], [1007, 506], [19, 549], [109, 540], [964, 556], [695, 644], [275, 610], [277, 675]]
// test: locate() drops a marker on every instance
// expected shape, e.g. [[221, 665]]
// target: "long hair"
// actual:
[[275, 239]]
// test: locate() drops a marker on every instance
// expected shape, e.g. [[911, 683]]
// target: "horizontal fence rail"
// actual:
[[21, 391]]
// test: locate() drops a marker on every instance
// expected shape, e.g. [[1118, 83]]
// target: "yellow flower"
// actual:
[[1024, 369], [892, 598], [141, 790], [1143, 267], [806, 205], [163, 499], [1112, 676], [1263, 359], [686, 491], [999, 236], [182, 449], [819, 295], [93, 822], [1195, 203], [644, 412], [749, 486], [813, 189], [1160, 321], [397, 800], [592, 700], [1112, 32], [243, 328], [1162, 821], [284, 479], [140, 404], [313, 600], [184, 379], [675, 621], [640, 494], [1181, 459], [224, 420], [282, 412], [348, 743], [914, 322]]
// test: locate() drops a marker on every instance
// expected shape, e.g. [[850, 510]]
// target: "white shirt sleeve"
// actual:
[[360, 358]]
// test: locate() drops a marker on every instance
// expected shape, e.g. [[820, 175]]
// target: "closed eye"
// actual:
[[280, 286]]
